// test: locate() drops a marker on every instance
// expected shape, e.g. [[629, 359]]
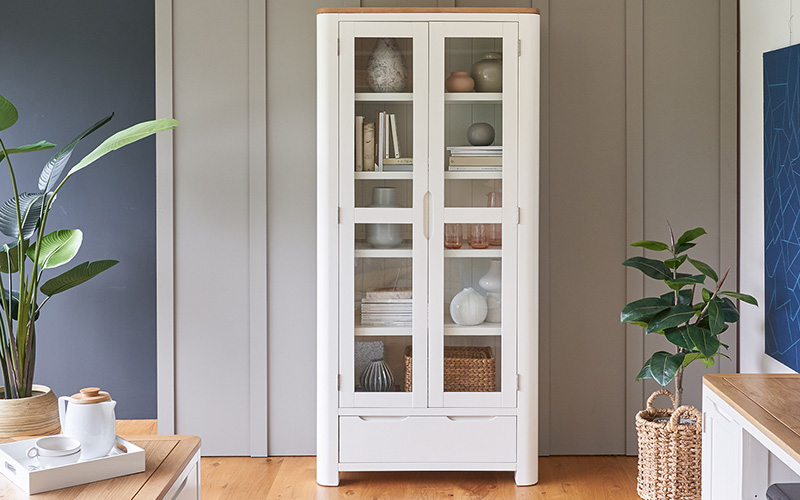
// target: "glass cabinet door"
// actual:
[[473, 181], [383, 86]]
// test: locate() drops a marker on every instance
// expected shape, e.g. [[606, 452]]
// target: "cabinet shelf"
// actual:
[[384, 96], [473, 175], [364, 251], [384, 176], [474, 97], [482, 330], [472, 253]]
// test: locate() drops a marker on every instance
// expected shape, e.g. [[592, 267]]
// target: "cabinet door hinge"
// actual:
[[518, 381], [338, 215], [519, 48], [518, 216], [338, 46], [338, 382]]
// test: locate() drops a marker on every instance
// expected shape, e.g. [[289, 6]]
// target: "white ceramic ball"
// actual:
[[468, 308]]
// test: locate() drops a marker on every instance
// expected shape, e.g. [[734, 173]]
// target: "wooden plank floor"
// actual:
[[560, 478]]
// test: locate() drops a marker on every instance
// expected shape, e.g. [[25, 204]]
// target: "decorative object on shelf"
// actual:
[[468, 308], [491, 282], [478, 238], [88, 416], [466, 369], [364, 353], [480, 134], [694, 330], [36, 415], [495, 231], [452, 236], [384, 235], [31, 252], [377, 377], [53, 451], [488, 73], [390, 306], [386, 67], [459, 81], [475, 158]]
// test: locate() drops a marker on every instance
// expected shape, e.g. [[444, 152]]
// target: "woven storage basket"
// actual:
[[669, 452], [466, 369]]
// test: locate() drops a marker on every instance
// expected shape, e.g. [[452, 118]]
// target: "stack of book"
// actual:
[[475, 158], [386, 307], [377, 147]]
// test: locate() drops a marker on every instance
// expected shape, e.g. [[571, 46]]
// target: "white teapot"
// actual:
[[89, 417]]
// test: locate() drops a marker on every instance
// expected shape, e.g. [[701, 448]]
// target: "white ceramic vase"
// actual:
[[468, 308], [386, 67], [491, 282], [384, 235]]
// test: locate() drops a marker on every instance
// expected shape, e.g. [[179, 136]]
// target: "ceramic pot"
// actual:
[[386, 67], [459, 81], [384, 235], [491, 282], [89, 417], [488, 73], [468, 308], [33, 416], [377, 377], [480, 134]]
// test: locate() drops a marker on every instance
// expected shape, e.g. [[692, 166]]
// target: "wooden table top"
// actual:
[[771, 402], [165, 458]]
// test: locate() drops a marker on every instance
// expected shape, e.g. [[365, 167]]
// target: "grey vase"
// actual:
[[386, 67], [384, 235], [377, 377]]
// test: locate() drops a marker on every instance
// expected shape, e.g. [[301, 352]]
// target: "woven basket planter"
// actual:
[[466, 369], [669, 452], [33, 416]]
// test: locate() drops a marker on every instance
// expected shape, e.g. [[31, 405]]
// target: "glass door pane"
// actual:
[[474, 170], [382, 184]]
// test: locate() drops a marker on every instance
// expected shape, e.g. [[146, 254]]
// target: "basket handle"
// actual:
[[693, 412], [662, 392]]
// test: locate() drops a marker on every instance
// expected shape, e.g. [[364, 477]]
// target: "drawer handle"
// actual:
[[471, 418], [384, 418]]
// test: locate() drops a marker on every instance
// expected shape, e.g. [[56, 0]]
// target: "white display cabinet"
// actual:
[[410, 215]]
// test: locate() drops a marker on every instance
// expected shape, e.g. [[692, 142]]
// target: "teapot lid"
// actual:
[[90, 395]]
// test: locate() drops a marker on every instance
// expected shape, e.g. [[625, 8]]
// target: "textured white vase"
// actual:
[[491, 282], [386, 67], [468, 308]]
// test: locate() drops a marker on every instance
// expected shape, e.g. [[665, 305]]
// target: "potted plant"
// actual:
[[31, 253], [691, 317]]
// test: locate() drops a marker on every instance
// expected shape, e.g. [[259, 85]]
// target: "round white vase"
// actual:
[[491, 282], [468, 308]]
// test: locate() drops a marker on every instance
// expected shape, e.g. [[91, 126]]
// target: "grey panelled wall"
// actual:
[[638, 102], [65, 66]]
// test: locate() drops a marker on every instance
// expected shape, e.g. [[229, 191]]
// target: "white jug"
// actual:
[[89, 418]]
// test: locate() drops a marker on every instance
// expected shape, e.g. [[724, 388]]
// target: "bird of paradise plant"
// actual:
[[31, 251]]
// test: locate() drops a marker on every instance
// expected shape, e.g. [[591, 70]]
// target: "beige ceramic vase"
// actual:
[[33, 416], [459, 81]]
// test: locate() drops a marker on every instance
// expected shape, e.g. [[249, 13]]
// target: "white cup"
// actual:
[[53, 451]]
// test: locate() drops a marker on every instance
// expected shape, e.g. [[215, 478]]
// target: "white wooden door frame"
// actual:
[[257, 241]]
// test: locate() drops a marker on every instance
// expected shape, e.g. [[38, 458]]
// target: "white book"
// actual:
[[394, 136], [386, 135], [359, 143], [381, 138]]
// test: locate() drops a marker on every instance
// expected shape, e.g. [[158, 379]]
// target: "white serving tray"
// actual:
[[25, 472]]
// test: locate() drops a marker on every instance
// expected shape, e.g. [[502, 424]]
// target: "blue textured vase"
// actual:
[[377, 377]]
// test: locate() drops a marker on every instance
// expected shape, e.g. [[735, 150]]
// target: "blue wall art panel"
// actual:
[[782, 204]]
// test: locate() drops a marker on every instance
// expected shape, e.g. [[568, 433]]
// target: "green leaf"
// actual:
[[643, 324], [684, 247], [9, 254], [741, 296], [703, 341], [53, 168], [690, 357], [12, 304], [643, 309], [690, 235], [123, 138], [706, 295], [675, 263], [705, 269], [29, 148], [674, 316], [661, 367], [730, 313], [30, 205], [8, 113], [716, 318], [75, 276], [651, 245], [684, 297], [684, 279], [679, 337], [57, 248], [651, 267]]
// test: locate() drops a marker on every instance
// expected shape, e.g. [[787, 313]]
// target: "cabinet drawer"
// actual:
[[428, 439]]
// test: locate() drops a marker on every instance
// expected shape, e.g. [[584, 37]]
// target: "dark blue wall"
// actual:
[[65, 65]]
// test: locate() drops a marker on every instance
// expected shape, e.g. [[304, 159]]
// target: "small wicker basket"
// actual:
[[466, 369], [669, 452]]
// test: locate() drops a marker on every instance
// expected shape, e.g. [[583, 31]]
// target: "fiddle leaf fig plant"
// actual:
[[690, 316], [31, 250]]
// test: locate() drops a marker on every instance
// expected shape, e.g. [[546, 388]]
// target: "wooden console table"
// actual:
[[172, 471], [751, 434]]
